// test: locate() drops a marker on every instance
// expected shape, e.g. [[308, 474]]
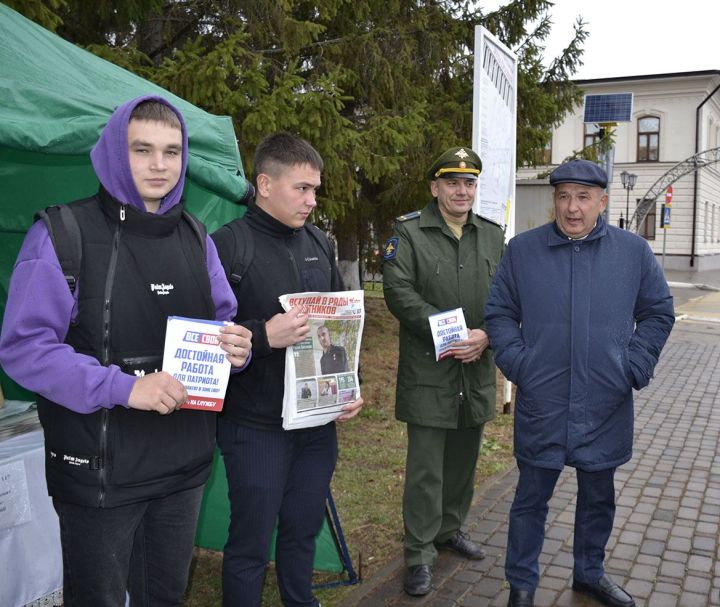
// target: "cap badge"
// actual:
[[461, 153], [462, 164]]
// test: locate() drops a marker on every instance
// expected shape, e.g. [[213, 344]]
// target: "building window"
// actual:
[[592, 134], [647, 228], [547, 153], [542, 156], [648, 144]]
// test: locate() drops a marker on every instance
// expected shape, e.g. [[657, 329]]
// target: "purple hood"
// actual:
[[111, 161]]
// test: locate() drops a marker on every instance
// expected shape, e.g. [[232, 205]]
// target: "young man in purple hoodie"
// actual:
[[124, 465]]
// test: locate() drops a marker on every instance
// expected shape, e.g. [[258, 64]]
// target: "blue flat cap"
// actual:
[[579, 171]]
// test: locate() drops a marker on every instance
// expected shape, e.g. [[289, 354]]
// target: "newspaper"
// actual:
[[321, 372]]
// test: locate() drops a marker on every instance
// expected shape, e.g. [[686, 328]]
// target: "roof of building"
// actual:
[[708, 73]]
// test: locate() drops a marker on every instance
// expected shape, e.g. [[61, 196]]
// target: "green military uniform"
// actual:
[[445, 404]]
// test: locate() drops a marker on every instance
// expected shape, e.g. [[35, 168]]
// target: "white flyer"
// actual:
[[193, 356], [447, 328]]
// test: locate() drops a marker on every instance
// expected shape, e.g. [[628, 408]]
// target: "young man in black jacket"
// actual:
[[275, 475]]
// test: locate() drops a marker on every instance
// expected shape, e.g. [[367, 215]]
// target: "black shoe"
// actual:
[[418, 580], [606, 591], [461, 543], [521, 598]]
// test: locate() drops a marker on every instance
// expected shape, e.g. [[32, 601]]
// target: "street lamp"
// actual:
[[628, 182]]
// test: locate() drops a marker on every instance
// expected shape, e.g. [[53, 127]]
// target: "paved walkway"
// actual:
[[664, 548]]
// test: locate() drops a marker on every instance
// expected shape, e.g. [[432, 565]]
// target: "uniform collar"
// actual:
[[432, 218]]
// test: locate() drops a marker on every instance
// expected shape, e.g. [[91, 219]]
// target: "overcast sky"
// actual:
[[638, 37]]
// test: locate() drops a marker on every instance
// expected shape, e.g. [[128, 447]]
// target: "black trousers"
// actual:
[[142, 548], [274, 477]]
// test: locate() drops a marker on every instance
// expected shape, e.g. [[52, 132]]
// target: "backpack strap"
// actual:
[[199, 229], [66, 239], [321, 238], [243, 251]]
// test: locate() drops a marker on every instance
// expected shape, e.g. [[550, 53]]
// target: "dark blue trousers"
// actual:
[[144, 548], [274, 476], [594, 515]]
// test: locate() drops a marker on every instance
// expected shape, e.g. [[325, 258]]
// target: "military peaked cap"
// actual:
[[454, 163]]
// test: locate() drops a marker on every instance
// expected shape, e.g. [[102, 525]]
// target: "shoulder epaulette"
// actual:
[[412, 215], [492, 221]]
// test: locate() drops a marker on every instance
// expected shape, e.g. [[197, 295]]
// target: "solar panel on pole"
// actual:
[[606, 110]]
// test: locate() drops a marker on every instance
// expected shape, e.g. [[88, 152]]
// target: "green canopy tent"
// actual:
[[55, 98]]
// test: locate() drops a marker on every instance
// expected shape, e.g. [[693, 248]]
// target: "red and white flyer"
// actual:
[[193, 356]]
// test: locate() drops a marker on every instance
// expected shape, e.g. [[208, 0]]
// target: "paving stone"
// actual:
[[559, 572], [660, 599], [652, 547], [553, 583], [668, 587], [689, 599], [652, 561], [705, 543], [468, 576], [656, 533], [619, 565], [691, 514], [643, 572], [697, 585], [670, 569], [663, 514], [625, 551], [487, 587], [563, 559], [475, 601], [639, 588], [681, 544], [640, 518], [697, 563], [682, 529], [545, 598]]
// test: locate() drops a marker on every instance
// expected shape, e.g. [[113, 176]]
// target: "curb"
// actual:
[[693, 285]]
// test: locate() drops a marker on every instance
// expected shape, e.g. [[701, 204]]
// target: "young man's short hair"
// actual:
[[154, 111], [283, 150]]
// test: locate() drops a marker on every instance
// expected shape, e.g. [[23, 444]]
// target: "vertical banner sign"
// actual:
[[494, 127]]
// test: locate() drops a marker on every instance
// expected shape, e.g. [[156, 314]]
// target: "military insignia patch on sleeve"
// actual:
[[391, 247]]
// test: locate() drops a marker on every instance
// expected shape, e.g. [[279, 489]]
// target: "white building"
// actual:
[[671, 112]]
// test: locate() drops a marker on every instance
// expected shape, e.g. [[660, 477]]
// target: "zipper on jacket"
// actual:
[[109, 281], [301, 287]]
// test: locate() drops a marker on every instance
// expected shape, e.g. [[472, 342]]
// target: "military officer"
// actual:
[[439, 259]]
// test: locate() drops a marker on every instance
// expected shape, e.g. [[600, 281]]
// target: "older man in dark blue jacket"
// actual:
[[577, 315]]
